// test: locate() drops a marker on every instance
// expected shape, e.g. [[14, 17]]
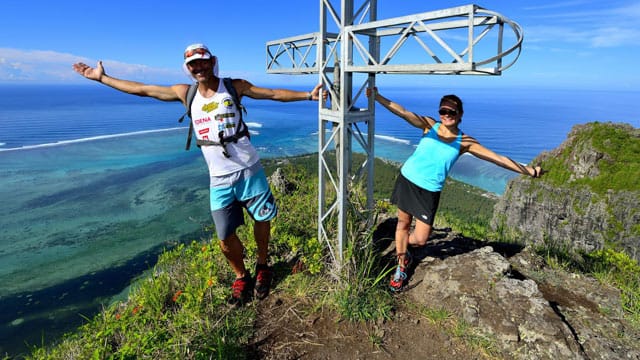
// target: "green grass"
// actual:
[[618, 269], [181, 307], [362, 294]]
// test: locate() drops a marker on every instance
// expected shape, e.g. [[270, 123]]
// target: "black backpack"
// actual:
[[241, 130]]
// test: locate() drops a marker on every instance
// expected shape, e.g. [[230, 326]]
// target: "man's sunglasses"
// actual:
[[190, 53], [448, 112]]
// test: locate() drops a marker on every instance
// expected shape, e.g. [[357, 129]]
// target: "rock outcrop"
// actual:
[[589, 198], [528, 310]]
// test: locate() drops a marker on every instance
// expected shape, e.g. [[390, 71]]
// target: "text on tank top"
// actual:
[[215, 116]]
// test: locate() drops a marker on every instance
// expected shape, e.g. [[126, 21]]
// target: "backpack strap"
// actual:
[[191, 93], [241, 129]]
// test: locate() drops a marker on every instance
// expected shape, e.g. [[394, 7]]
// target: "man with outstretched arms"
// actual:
[[237, 178]]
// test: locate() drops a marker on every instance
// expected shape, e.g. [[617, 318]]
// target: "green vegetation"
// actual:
[[618, 168], [181, 307], [462, 207], [609, 267], [180, 311], [618, 269], [614, 148], [466, 209]]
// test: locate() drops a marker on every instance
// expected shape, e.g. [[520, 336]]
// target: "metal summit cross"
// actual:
[[347, 52]]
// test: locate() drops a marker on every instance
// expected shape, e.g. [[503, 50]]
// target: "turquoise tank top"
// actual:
[[429, 165]]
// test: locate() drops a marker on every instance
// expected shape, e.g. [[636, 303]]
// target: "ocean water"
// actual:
[[95, 183]]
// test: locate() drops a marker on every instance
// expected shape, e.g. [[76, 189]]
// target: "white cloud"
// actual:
[[47, 67], [586, 26], [44, 66], [615, 36], [556, 5], [631, 11], [594, 37]]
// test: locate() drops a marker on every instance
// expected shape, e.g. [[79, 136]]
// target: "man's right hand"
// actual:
[[89, 72]]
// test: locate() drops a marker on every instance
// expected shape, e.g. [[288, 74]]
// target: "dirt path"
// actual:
[[285, 330], [288, 329]]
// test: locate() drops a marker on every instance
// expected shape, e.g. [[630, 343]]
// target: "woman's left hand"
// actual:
[[537, 171]]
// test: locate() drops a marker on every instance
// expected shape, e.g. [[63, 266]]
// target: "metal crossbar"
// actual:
[[441, 57]]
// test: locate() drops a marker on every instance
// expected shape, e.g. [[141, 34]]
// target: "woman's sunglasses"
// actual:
[[448, 112]]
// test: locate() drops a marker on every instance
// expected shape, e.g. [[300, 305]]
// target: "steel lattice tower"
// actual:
[[351, 47]]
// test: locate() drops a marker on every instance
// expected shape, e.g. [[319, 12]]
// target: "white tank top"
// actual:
[[216, 114]]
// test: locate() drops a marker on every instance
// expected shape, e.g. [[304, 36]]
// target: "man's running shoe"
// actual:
[[241, 291], [264, 277]]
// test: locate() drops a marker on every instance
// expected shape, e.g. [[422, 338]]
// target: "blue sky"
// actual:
[[569, 44]]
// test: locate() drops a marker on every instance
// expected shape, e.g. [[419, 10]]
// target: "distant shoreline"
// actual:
[[87, 139]]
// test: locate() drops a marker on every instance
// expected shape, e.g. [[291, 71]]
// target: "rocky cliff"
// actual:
[[529, 310], [589, 198]]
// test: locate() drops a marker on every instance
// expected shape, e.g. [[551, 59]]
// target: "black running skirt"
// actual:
[[418, 202]]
